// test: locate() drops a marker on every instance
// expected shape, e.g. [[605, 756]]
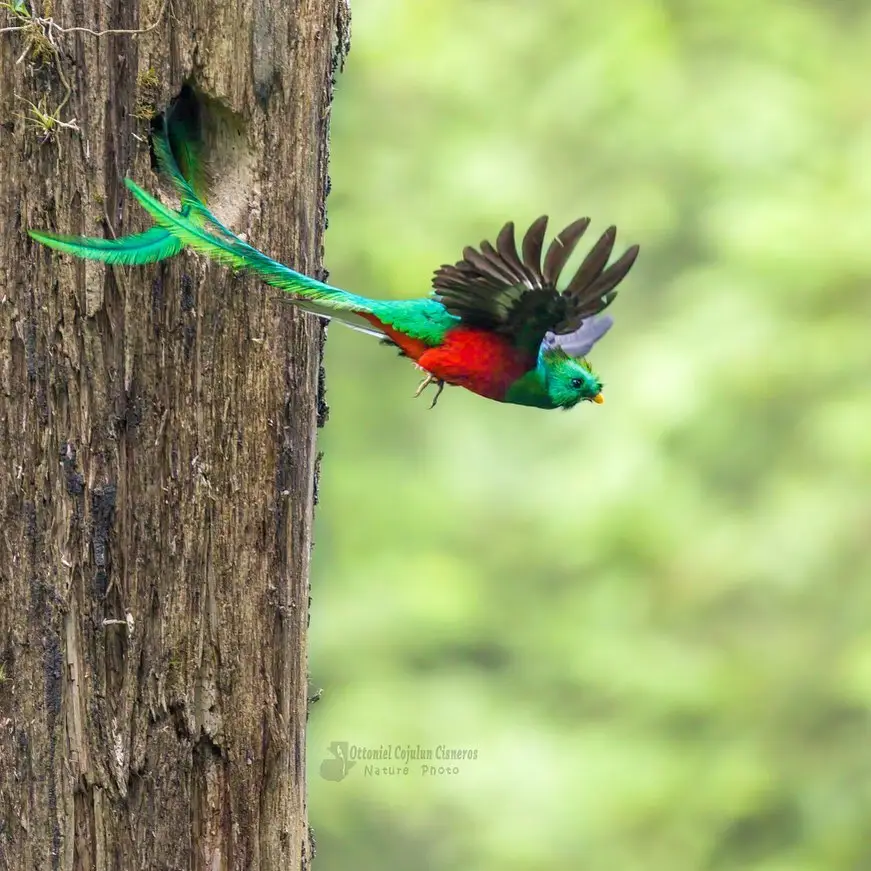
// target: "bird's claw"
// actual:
[[430, 379], [423, 385]]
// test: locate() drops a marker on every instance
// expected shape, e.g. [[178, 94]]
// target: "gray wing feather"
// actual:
[[579, 343]]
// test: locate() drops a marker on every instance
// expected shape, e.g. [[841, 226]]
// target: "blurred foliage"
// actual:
[[651, 618]]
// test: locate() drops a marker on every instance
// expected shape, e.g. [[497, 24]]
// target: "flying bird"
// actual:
[[495, 322]]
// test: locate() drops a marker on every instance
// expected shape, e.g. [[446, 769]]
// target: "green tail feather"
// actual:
[[177, 147], [193, 205], [232, 251], [178, 135], [182, 134], [149, 247]]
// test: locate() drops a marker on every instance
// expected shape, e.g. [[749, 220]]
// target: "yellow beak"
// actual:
[[598, 399]]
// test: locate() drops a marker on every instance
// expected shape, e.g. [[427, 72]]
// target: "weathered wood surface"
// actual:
[[157, 453]]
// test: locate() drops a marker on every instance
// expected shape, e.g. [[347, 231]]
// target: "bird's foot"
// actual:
[[423, 385], [430, 379]]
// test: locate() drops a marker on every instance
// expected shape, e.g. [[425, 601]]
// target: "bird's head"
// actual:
[[568, 380]]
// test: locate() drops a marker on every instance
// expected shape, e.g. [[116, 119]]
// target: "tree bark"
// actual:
[[157, 458]]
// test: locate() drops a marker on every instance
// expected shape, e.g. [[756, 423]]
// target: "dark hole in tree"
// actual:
[[204, 132]]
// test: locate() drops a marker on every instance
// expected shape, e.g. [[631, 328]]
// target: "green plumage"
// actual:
[[149, 247], [422, 319], [178, 149]]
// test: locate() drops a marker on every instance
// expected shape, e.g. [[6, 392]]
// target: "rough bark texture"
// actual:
[[157, 449]]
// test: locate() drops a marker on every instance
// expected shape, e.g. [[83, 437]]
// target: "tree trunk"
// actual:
[[157, 455]]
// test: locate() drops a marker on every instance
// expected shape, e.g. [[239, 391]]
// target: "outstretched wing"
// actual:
[[515, 293]]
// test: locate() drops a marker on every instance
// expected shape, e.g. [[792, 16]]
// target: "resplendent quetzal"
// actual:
[[495, 322]]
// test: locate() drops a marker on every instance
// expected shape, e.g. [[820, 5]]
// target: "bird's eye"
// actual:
[[577, 383]]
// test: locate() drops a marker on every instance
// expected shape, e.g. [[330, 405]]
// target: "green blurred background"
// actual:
[[650, 618]]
